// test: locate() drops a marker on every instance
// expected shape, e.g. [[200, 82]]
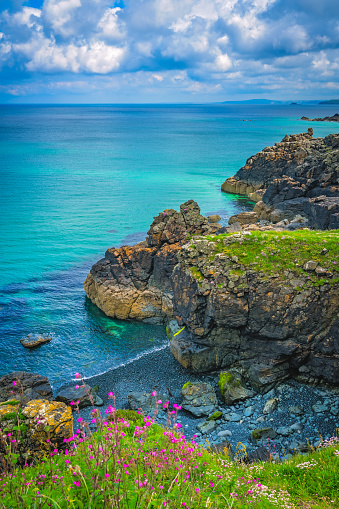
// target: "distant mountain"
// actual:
[[330, 101]]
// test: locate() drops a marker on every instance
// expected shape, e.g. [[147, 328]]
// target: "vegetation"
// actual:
[[274, 253], [131, 462]]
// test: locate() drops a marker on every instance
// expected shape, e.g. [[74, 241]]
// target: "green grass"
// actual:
[[273, 253], [196, 273]]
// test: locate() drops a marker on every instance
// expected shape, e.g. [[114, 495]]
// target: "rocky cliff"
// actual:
[[256, 303], [135, 282], [298, 176]]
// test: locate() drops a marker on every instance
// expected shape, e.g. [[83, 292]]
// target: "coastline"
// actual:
[[160, 371]]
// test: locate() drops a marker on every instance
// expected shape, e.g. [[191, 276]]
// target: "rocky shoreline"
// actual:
[[251, 310], [333, 118]]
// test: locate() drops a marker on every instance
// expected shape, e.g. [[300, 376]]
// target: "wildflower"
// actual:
[[77, 375], [14, 383]]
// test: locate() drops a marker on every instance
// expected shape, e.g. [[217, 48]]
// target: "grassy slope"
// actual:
[[158, 468]]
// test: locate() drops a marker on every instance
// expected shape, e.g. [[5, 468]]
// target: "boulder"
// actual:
[[225, 433], [84, 394], [244, 218], [56, 415], [199, 398], [146, 402], [259, 454], [34, 340], [206, 427], [262, 434], [270, 406], [213, 218], [28, 386], [232, 388]]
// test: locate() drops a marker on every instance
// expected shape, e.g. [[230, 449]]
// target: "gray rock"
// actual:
[[83, 394], [310, 266], [33, 386], [261, 434], [319, 408], [248, 411], [259, 454], [296, 410], [270, 406], [146, 402], [206, 427], [285, 431], [233, 417], [199, 398], [225, 433]]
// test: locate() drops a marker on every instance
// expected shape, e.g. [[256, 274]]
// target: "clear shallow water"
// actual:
[[75, 180]]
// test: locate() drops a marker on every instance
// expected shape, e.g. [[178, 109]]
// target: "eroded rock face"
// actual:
[[260, 324], [32, 385], [298, 176], [134, 282]]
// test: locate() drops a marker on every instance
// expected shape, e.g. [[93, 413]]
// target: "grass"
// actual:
[[274, 253], [131, 462]]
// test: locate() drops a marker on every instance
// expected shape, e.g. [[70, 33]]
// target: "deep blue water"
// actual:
[[75, 180]]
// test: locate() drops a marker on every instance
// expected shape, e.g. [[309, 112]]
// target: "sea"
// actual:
[[77, 179]]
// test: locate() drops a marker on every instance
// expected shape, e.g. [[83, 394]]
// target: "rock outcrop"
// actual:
[[333, 118], [267, 318], [298, 176], [135, 282], [26, 387]]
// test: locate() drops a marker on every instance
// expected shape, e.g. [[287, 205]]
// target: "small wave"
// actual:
[[130, 361]]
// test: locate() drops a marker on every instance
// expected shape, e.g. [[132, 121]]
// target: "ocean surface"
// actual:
[[75, 180]]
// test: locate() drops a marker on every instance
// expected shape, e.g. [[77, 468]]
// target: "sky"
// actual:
[[132, 51]]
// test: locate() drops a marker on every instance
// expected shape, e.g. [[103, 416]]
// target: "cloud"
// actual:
[[195, 45]]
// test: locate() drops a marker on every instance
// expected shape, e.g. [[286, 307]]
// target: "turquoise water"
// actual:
[[75, 180]]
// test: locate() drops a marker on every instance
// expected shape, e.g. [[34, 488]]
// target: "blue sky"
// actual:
[[104, 51]]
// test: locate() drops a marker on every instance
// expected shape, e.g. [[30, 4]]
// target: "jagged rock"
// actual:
[[213, 219], [262, 434], [31, 424], [84, 394], [232, 389], [259, 324], [298, 176], [29, 386], [310, 265], [333, 118], [206, 427], [199, 398], [34, 340], [285, 431], [244, 218], [259, 454], [134, 282], [270, 406], [56, 415], [146, 402]]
